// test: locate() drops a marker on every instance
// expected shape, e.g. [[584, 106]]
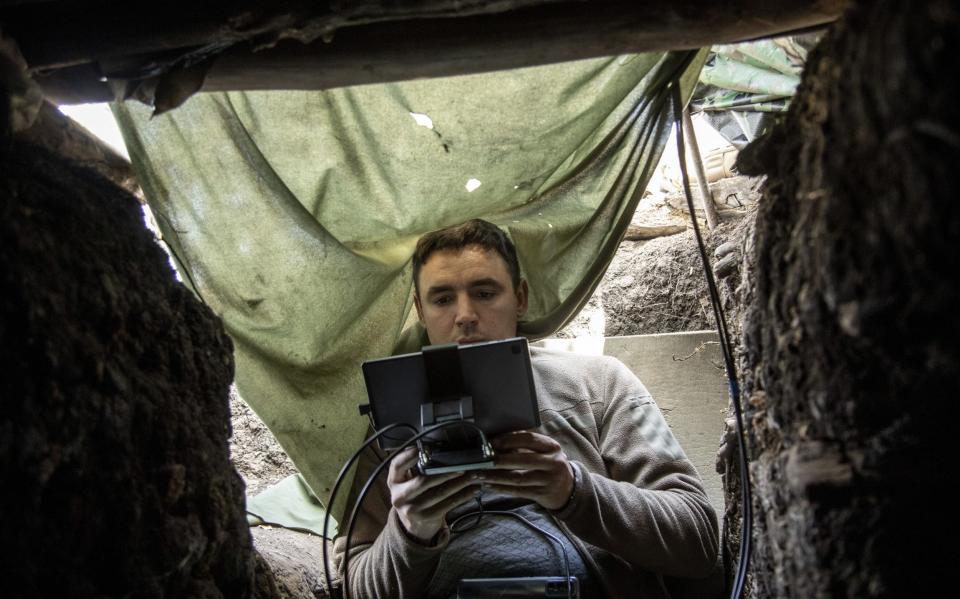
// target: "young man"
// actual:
[[603, 472]]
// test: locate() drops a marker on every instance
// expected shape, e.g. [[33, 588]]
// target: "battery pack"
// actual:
[[532, 586]]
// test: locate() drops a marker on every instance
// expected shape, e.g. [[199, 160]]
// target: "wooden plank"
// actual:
[[645, 233], [441, 47], [124, 45]]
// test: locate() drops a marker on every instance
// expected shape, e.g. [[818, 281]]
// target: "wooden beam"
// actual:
[[645, 233], [386, 48], [442, 47]]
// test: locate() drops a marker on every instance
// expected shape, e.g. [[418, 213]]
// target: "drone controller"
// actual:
[[533, 586]]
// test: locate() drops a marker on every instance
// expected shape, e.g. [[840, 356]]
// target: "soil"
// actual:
[[254, 450], [658, 286], [113, 433], [56, 132], [851, 327], [295, 559]]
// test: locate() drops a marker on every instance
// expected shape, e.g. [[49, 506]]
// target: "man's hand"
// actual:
[[531, 466], [422, 502]]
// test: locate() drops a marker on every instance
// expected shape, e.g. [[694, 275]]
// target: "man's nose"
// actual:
[[466, 314]]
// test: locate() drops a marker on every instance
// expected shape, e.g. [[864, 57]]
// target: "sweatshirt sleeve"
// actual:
[[384, 560], [650, 508]]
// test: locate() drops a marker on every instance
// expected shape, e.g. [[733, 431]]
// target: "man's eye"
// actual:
[[486, 294], [441, 300]]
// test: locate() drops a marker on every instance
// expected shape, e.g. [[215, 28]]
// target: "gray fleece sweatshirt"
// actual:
[[638, 511]]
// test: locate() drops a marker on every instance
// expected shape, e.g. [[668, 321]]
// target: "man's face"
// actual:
[[468, 296]]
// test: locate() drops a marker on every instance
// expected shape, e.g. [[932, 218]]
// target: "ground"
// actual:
[[658, 285], [255, 452]]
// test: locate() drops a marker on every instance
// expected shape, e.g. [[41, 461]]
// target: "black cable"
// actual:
[[563, 550], [478, 513], [746, 528], [336, 487], [373, 477]]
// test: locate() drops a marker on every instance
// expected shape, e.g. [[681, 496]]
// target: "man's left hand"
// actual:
[[531, 466]]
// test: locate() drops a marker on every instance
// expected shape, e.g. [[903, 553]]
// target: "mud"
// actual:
[[113, 433], [852, 358], [658, 286], [254, 450]]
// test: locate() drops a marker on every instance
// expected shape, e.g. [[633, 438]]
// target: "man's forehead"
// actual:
[[470, 255], [472, 261]]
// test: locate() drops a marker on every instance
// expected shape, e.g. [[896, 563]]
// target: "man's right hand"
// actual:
[[422, 502]]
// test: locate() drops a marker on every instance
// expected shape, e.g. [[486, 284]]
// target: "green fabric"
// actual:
[[766, 54], [294, 214], [743, 77], [289, 504], [751, 77]]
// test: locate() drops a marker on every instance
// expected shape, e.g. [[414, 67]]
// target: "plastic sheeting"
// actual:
[[289, 504], [742, 83], [294, 214]]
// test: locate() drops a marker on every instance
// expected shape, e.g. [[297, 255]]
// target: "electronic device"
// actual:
[[533, 586], [488, 386]]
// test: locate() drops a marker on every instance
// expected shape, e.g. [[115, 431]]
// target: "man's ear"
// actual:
[[416, 302], [523, 297]]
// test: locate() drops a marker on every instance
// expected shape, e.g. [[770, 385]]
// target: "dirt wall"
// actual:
[[852, 361], [658, 286], [254, 450], [114, 461]]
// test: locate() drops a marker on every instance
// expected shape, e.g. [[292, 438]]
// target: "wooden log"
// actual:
[[642, 233], [379, 43], [556, 33]]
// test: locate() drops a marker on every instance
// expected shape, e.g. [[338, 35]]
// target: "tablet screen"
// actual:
[[496, 375]]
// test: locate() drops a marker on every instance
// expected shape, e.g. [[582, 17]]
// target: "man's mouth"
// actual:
[[465, 340]]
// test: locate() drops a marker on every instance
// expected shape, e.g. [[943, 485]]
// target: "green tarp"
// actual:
[[289, 504], [294, 214]]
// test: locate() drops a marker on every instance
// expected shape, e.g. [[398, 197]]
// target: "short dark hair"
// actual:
[[473, 232]]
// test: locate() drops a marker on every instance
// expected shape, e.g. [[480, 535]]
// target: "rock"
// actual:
[[726, 266]]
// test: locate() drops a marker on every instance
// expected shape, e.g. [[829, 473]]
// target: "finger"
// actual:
[[406, 458], [401, 464], [406, 491], [516, 478], [411, 491], [525, 461], [442, 493], [440, 510], [424, 483], [525, 440]]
